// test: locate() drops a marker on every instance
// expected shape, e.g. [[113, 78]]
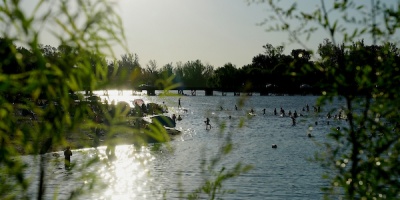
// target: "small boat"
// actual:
[[251, 114], [167, 122]]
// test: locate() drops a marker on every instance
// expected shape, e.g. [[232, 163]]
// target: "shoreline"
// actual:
[[86, 138]]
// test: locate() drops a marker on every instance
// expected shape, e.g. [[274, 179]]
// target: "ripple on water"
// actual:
[[281, 173]]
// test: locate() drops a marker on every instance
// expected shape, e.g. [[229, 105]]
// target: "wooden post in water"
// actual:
[[209, 92], [151, 92]]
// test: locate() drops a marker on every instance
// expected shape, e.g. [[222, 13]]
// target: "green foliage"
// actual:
[[42, 109], [36, 74], [361, 160], [372, 120]]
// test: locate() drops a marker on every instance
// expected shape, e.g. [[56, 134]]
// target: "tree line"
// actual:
[[269, 72]]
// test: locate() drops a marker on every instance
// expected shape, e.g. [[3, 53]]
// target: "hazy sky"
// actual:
[[214, 31]]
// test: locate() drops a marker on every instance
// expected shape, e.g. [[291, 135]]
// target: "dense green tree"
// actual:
[[35, 72], [361, 160], [167, 79], [179, 74], [167, 71], [226, 77], [130, 70], [150, 74], [7, 54], [195, 74], [301, 58]]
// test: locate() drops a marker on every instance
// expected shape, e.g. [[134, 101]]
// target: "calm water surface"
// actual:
[[141, 173]]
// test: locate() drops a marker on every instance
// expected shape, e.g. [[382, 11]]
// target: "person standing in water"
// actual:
[[293, 121], [179, 103], [67, 154], [208, 125], [174, 117]]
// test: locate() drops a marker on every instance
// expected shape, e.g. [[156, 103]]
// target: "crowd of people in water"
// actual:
[[148, 109], [144, 109], [281, 113], [294, 115]]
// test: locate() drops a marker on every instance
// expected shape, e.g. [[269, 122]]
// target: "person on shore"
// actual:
[[67, 155], [208, 125]]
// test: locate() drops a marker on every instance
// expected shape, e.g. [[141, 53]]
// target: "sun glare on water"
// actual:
[[115, 96], [127, 174]]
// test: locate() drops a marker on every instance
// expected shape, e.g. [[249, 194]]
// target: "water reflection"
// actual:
[[126, 175], [276, 174], [94, 175]]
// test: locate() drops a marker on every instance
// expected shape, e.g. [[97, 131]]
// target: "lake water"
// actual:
[[174, 169]]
